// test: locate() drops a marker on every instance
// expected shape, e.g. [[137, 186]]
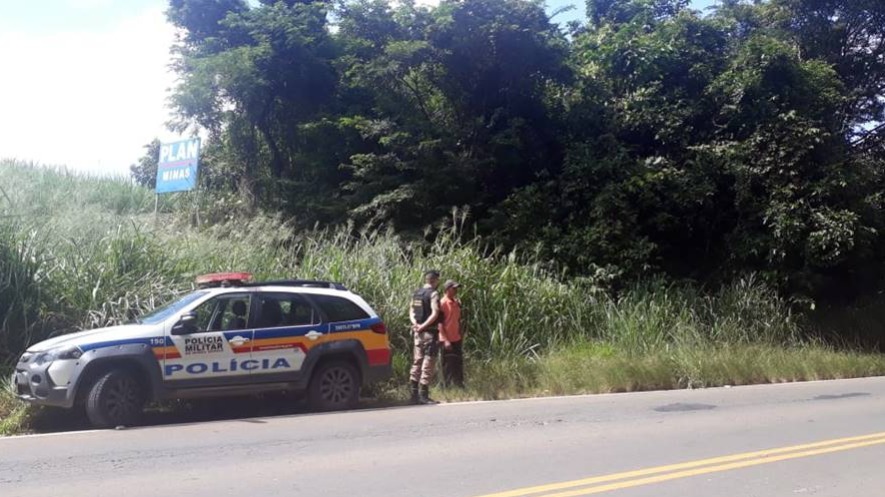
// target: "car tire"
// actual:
[[334, 386], [115, 399]]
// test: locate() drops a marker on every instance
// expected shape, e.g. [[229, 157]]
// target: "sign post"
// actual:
[[177, 168]]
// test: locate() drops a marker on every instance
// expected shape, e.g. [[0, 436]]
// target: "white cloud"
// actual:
[[88, 100]]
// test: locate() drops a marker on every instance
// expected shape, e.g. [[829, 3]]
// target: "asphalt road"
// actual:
[[821, 439]]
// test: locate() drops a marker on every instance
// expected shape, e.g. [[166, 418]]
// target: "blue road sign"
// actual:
[[178, 166]]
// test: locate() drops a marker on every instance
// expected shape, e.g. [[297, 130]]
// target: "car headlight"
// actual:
[[59, 354]]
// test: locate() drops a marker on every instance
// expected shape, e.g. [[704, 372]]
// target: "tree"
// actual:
[[269, 65], [144, 172], [630, 198], [653, 140], [202, 20], [705, 148], [460, 114], [849, 35]]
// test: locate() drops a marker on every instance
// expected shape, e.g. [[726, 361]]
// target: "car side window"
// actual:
[[285, 309], [223, 313], [301, 313], [339, 309]]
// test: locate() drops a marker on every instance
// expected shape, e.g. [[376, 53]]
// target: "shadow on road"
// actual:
[[247, 409]]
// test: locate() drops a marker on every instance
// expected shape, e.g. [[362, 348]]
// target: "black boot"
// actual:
[[424, 396], [415, 398]]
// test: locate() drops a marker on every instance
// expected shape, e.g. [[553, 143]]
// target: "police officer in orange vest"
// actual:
[[425, 314]]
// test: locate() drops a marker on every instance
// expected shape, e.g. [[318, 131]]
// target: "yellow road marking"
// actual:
[[711, 469], [693, 468]]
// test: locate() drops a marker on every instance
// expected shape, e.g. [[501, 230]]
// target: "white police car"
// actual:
[[230, 337]]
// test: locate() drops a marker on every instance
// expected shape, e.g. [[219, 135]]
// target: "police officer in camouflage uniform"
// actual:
[[425, 315]]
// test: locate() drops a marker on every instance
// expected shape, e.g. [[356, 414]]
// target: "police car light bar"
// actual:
[[222, 279]]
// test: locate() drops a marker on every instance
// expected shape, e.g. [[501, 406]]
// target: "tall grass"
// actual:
[[79, 252], [88, 252], [21, 296]]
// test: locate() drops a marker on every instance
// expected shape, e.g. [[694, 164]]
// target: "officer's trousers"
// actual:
[[424, 357]]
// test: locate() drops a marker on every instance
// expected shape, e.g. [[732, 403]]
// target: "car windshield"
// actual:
[[163, 313]]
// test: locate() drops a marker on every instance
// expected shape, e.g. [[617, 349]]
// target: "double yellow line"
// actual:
[[637, 478]]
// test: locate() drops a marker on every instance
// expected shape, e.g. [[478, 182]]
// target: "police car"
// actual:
[[229, 337]]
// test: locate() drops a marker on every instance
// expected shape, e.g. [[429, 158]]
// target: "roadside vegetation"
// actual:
[[646, 138], [79, 252]]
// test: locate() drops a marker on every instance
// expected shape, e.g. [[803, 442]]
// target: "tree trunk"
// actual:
[[277, 163]]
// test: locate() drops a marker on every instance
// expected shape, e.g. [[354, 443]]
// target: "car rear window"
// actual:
[[339, 309], [285, 309]]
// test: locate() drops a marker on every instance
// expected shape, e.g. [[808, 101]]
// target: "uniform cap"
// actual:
[[452, 284], [431, 272]]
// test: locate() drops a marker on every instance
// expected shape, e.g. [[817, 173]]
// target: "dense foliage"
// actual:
[[650, 138]]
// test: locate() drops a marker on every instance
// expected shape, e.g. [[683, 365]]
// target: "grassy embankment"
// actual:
[[79, 252]]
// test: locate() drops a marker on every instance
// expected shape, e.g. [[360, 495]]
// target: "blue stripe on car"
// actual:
[[360, 324], [114, 343]]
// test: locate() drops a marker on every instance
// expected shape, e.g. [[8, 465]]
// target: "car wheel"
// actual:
[[334, 386], [115, 399]]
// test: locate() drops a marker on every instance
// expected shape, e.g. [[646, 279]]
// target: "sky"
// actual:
[[85, 82]]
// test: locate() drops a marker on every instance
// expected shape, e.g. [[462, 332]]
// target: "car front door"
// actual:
[[287, 327], [216, 348]]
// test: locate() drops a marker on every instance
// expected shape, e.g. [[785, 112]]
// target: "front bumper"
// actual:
[[32, 383]]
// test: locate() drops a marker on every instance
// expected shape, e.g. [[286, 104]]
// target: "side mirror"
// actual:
[[186, 325]]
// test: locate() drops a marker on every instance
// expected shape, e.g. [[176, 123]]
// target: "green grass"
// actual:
[[14, 416], [79, 252], [595, 368]]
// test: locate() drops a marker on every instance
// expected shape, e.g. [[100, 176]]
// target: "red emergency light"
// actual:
[[222, 279]]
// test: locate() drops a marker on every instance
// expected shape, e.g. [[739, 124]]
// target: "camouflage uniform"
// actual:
[[426, 342], [426, 348]]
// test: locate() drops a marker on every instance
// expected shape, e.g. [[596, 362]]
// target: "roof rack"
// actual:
[[299, 283]]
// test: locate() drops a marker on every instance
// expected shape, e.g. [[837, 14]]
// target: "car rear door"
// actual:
[[287, 327], [349, 321]]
